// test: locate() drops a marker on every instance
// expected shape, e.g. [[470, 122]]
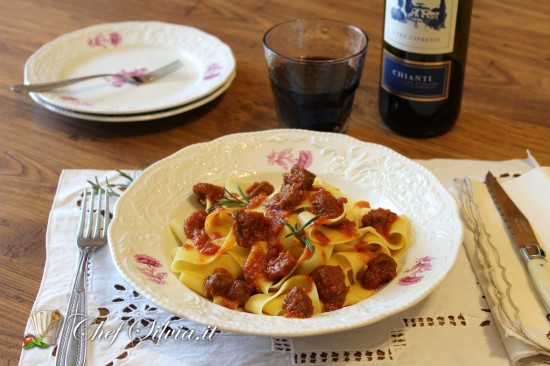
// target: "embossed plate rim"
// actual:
[[140, 223]]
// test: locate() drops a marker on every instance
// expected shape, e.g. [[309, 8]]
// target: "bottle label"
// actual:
[[422, 81], [421, 26]]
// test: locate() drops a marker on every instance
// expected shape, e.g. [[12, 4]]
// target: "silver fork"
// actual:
[[138, 80], [92, 233]]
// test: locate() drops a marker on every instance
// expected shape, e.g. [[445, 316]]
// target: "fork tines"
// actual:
[[91, 225], [158, 73]]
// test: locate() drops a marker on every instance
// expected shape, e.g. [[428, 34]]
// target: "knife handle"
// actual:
[[540, 275]]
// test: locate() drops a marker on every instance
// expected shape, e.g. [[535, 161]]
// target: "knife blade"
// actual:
[[524, 237]]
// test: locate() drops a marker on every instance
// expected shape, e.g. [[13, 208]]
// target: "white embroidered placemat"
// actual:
[[452, 326]]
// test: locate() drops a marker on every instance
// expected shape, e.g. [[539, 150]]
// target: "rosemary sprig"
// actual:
[[232, 200], [127, 176], [96, 185], [297, 231]]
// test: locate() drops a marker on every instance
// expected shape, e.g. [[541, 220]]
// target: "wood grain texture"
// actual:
[[506, 107]]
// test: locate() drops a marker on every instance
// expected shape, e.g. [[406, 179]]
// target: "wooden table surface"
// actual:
[[505, 110]]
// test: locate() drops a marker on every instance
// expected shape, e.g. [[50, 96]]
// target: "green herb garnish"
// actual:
[[232, 200], [297, 232], [96, 185]]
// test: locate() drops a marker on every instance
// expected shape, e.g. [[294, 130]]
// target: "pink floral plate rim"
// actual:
[[131, 48]]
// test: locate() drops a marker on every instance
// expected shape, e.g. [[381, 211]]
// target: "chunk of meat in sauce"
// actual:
[[249, 227], [380, 219], [331, 286], [381, 270], [221, 284], [297, 304], [258, 188], [325, 204], [295, 182], [299, 177], [207, 191], [194, 224], [286, 199], [280, 266]]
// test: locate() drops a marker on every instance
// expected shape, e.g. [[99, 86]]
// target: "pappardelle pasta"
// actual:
[[295, 251]]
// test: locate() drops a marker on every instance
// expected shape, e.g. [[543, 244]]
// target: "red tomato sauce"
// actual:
[[319, 237], [254, 268], [194, 230]]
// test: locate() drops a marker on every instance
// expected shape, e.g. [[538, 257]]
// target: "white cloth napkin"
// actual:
[[452, 326], [522, 318]]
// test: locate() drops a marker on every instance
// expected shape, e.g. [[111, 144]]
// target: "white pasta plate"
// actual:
[[142, 243], [131, 48]]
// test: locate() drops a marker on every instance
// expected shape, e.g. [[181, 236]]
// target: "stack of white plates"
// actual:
[[131, 48]]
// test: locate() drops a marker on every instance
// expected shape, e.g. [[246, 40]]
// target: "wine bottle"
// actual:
[[423, 65]]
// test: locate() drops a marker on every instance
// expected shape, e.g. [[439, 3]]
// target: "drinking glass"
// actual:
[[315, 66]]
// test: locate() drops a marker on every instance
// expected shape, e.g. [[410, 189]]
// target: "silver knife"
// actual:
[[524, 237]]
